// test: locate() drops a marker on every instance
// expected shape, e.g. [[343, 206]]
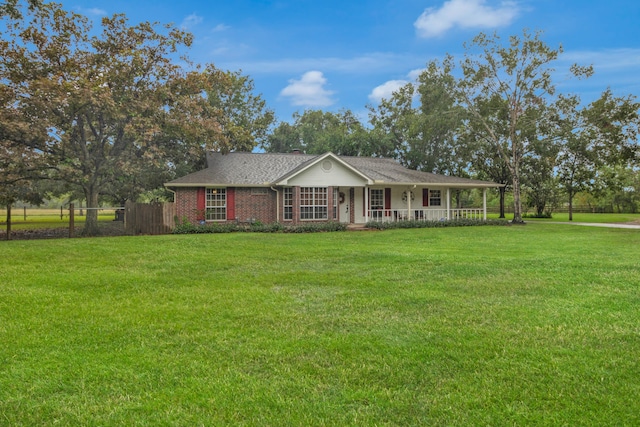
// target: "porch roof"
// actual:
[[266, 169]]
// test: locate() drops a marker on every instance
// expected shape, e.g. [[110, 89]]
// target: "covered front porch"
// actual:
[[411, 203]]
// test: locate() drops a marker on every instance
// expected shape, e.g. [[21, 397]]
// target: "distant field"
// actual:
[[48, 218], [523, 325], [584, 217]]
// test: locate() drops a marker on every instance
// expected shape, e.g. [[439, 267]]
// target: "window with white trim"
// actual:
[[287, 203], [313, 203], [377, 199], [216, 204], [435, 197], [376, 202]]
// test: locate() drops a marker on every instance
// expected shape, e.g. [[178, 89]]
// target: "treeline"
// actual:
[[111, 115], [495, 114]]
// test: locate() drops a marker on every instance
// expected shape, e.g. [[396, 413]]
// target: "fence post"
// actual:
[[25, 212], [61, 214], [71, 225]]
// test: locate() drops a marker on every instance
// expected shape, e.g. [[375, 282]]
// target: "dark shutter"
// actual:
[[201, 203], [231, 203], [425, 197]]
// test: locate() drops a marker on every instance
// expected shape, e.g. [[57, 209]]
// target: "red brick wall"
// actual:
[[260, 207], [186, 204]]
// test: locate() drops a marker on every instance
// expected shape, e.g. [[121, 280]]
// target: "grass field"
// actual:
[[523, 325], [48, 218]]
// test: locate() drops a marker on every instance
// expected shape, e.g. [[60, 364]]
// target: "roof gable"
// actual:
[[319, 163]]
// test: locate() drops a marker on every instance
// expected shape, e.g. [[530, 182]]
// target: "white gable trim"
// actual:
[[285, 180]]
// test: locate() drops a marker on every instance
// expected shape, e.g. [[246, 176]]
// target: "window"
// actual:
[[336, 202], [313, 203], [376, 202], [435, 197], [288, 203], [216, 206]]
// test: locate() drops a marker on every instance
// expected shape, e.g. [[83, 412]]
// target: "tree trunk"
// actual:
[[570, 206], [517, 203], [91, 218], [502, 191], [8, 222]]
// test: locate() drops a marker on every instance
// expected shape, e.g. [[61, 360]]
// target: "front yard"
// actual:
[[526, 325]]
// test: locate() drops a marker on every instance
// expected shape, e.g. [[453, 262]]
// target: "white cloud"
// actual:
[[309, 91], [220, 27], [190, 21], [385, 90], [465, 14], [92, 11]]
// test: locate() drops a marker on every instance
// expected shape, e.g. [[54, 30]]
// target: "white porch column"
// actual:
[[366, 204], [448, 203], [409, 192], [484, 203]]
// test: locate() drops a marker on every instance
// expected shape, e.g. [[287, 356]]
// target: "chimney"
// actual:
[[296, 151]]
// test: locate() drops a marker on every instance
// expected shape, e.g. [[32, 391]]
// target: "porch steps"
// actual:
[[356, 227]]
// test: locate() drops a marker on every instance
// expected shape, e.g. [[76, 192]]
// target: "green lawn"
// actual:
[[524, 325]]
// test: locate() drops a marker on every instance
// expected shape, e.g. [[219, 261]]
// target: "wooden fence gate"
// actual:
[[149, 218]]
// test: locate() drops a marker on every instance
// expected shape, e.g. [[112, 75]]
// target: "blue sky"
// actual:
[[335, 55]]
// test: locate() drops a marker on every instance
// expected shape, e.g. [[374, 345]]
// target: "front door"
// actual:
[[343, 210]]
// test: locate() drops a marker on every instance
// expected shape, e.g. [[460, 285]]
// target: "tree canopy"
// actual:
[[105, 107]]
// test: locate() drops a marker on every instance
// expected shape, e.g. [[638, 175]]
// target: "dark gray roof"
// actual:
[[251, 169]]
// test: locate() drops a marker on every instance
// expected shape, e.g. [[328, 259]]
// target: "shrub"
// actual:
[[434, 224], [187, 227], [537, 215]]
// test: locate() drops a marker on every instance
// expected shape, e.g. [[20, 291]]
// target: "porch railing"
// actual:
[[394, 215]]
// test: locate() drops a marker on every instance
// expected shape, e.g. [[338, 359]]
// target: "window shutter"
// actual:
[[425, 197], [200, 203], [231, 203], [387, 202]]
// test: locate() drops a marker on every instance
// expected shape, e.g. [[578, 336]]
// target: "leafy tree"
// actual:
[[577, 162], [244, 117], [422, 121], [316, 132], [617, 189], [505, 89], [616, 126], [20, 164], [283, 139], [112, 103], [13, 8], [485, 162], [539, 177], [595, 140]]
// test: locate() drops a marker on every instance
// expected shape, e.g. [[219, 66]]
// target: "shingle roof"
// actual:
[[251, 169]]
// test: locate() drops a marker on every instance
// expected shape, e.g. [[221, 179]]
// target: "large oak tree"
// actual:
[[111, 103]]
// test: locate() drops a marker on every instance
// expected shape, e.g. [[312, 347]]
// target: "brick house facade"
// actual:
[[299, 188]]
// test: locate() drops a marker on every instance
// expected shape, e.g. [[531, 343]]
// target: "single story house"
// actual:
[[294, 188]]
